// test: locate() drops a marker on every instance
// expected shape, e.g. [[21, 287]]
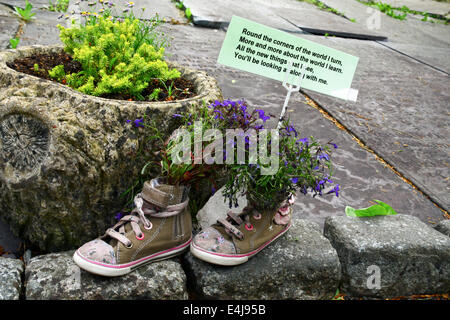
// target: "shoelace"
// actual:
[[139, 215]]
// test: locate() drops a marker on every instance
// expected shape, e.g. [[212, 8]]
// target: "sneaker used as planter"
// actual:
[[237, 238], [159, 227]]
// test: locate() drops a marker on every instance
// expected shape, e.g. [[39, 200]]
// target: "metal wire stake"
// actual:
[[290, 88]]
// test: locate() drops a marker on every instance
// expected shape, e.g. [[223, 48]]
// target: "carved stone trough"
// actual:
[[66, 157]]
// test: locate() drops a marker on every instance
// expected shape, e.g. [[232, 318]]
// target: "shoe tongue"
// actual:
[[157, 193], [161, 194]]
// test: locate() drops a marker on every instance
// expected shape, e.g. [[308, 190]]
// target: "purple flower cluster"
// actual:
[[262, 115], [289, 130], [233, 114], [138, 123], [305, 163], [318, 188]]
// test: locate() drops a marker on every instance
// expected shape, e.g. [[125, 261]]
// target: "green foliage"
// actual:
[[188, 14], [59, 6], [14, 42], [404, 10], [36, 67], [25, 14], [380, 209], [387, 9], [390, 11], [187, 172], [170, 90], [187, 11], [180, 5], [57, 73], [338, 296], [154, 95], [116, 56]]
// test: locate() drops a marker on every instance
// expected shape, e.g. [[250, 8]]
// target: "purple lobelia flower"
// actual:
[[138, 123], [323, 156], [335, 190], [304, 141], [262, 115]]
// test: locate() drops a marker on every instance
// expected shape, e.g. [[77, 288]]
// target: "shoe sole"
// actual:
[[111, 270], [229, 259]]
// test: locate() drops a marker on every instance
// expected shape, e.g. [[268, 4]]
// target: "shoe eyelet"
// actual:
[[249, 226], [257, 216], [149, 227], [284, 210], [140, 237], [130, 246]]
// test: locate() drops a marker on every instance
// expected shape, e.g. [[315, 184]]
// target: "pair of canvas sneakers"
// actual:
[[160, 227]]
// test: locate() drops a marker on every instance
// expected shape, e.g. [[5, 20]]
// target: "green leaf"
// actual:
[[388, 208], [14, 42], [380, 209], [188, 14]]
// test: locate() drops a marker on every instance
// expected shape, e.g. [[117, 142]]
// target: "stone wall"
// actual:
[[377, 257]]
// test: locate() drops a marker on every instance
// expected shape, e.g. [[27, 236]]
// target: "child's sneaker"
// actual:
[[158, 228], [237, 238]]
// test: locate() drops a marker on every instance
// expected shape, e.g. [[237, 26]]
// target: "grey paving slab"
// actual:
[[21, 3], [361, 177], [42, 30], [437, 57], [6, 11], [272, 13], [410, 31], [401, 113], [256, 10], [310, 16], [8, 30], [165, 9]]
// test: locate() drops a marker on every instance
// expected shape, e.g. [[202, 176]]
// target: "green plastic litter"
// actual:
[[380, 209]]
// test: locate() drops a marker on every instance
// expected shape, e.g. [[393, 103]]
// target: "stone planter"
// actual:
[[66, 157]]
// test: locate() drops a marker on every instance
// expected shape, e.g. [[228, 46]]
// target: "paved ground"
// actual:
[[402, 112]]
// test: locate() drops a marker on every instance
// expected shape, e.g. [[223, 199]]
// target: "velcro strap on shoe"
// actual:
[[235, 217], [163, 195], [231, 228]]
